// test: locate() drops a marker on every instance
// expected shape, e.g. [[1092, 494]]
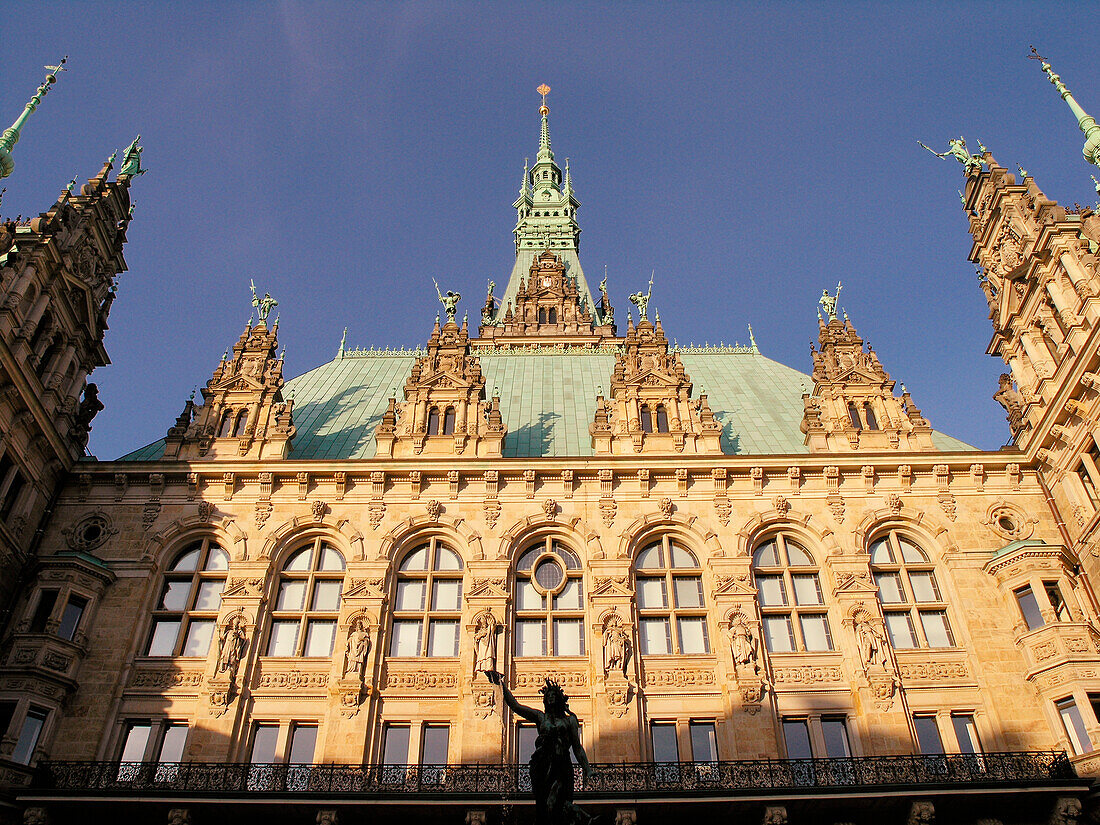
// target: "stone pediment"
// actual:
[[367, 588], [654, 378], [855, 584], [238, 383], [488, 588], [857, 375], [610, 586], [444, 380], [733, 586]]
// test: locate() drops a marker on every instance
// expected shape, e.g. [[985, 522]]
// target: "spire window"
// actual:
[[187, 609], [671, 611], [428, 602], [549, 601], [242, 423], [790, 596], [869, 416], [853, 414], [449, 421], [646, 419], [226, 428], [433, 421], [662, 419], [912, 604], [303, 622]]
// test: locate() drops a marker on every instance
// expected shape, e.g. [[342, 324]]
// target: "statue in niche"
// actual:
[[743, 644], [357, 648], [872, 643], [231, 644], [486, 628], [616, 646], [559, 733]]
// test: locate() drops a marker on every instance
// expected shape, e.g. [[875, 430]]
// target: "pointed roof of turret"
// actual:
[[11, 135]]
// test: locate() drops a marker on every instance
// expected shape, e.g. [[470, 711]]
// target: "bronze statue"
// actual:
[[551, 771]]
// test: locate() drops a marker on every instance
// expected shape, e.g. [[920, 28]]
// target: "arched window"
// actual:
[[542, 315], [662, 419], [853, 414], [428, 603], [789, 592], [869, 415], [449, 421], [226, 428], [552, 313], [303, 622], [669, 587], [914, 608], [44, 327], [187, 608], [433, 421], [646, 420], [549, 601], [242, 422]]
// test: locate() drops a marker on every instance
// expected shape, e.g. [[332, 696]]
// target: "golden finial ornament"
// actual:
[[543, 90]]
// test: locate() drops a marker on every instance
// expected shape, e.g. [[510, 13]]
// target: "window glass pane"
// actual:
[[171, 746], [682, 558], [889, 588], [645, 420], [175, 595], [326, 595], [655, 636], [1054, 595], [28, 736], [911, 554], [406, 639], [330, 559], [651, 594], [778, 634], [447, 594], [571, 560], [693, 635], [433, 748], [881, 552], [835, 732], [527, 597], [966, 733], [650, 558], [442, 638], [198, 639], [188, 560], [772, 593], [689, 591], [264, 739], [1029, 607], [528, 558], [1074, 724], [928, 735], [319, 638], [806, 590], [410, 595], [303, 743], [704, 744], [416, 560], [137, 738], [936, 630], [216, 559], [209, 596], [163, 639], [299, 561], [525, 743], [664, 742], [797, 555], [531, 638], [395, 745], [284, 639], [815, 632], [796, 735], [7, 711], [900, 628], [41, 618], [924, 587], [70, 617], [568, 639], [766, 555], [447, 559], [549, 574], [292, 595], [570, 596]]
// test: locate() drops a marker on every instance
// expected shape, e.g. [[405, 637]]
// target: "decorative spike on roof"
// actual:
[[11, 135], [1085, 122]]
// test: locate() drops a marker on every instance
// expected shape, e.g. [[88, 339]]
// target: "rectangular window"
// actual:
[[1074, 725], [902, 633], [303, 744], [779, 634], [527, 597], [1029, 607], [665, 748], [889, 588], [395, 745], [1057, 603], [689, 592], [410, 595], [815, 632], [406, 639], [447, 595], [796, 736], [928, 735], [966, 733], [693, 635], [568, 637], [326, 596], [531, 638], [525, 743], [570, 596], [936, 629], [319, 638], [41, 617], [434, 744], [135, 741], [924, 587], [704, 742], [807, 589], [834, 729], [175, 595], [29, 735], [11, 495], [651, 594], [284, 639], [162, 641], [198, 639], [656, 636], [171, 744], [7, 711], [1094, 700], [264, 739], [1087, 483], [70, 617], [209, 596], [442, 638], [772, 592]]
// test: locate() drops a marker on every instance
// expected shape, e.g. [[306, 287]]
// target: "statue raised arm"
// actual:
[[956, 148]]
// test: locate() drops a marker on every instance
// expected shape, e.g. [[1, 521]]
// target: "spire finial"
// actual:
[[543, 90], [544, 136], [523, 184], [11, 134], [343, 341], [1085, 122], [752, 340]]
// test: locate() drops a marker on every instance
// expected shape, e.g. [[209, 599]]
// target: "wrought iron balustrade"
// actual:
[[511, 781]]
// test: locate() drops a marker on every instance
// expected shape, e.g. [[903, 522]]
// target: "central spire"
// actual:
[[12, 133], [1085, 122]]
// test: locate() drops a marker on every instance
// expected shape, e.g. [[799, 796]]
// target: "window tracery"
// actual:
[[549, 601], [307, 602], [187, 608], [428, 602], [790, 596], [669, 592]]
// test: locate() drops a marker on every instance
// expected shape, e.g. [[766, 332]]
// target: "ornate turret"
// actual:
[[556, 308], [243, 412], [11, 135], [1085, 122], [852, 406]]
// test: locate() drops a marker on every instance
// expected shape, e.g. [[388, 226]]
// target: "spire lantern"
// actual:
[[12, 133], [1085, 122]]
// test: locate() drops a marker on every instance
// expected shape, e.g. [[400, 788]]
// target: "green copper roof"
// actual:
[[548, 401]]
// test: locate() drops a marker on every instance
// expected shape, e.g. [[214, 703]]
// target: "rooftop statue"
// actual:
[[559, 733], [642, 301], [263, 305], [449, 301], [131, 160], [828, 302], [956, 149]]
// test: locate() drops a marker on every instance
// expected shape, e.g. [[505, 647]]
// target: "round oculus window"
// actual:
[[549, 574]]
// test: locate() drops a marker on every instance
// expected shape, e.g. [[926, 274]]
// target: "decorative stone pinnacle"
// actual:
[[752, 339], [1085, 122], [11, 135], [543, 90]]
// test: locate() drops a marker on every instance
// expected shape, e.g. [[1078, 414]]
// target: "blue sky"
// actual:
[[343, 154]]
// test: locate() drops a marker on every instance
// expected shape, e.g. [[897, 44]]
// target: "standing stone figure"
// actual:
[[263, 305], [872, 644], [615, 646], [231, 645], [559, 733], [357, 648], [485, 643], [743, 644], [1013, 402], [449, 301]]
